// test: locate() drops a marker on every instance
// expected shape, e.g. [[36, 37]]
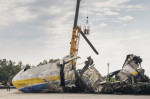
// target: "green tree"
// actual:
[[46, 62], [8, 70], [27, 66]]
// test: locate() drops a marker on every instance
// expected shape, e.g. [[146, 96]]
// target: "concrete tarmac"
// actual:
[[13, 94]]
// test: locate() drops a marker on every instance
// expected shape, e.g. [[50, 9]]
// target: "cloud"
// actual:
[[125, 18], [24, 1], [22, 14], [133, 7], [12, 11], [110, 13], [125, 25], [108, 10], [102, 25], [108, 3]]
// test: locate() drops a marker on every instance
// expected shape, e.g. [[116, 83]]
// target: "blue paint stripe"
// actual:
[[34, 88], [39, 87]]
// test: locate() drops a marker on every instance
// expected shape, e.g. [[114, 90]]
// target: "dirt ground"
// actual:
[[13, 94]]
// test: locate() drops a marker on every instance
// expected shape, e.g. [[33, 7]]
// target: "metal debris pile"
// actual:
[[129, 80]]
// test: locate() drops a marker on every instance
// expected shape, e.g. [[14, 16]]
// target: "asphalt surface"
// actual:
[[13, 94]]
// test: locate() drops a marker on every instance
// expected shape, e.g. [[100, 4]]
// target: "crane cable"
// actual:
[[87, 11]]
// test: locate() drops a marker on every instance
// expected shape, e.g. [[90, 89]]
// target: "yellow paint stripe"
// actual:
[[26, 82], [134, 73]]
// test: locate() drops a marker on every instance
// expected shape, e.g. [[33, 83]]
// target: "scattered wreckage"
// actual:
[[129, 80]]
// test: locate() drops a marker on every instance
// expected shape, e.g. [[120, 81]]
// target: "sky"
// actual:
[[34, 30]]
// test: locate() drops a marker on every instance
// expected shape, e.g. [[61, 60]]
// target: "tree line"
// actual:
[[9, 68]]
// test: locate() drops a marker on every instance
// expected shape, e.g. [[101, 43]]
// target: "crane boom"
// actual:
[[75, 35]]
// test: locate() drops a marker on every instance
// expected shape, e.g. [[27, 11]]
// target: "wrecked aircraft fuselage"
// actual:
[[50, 77]]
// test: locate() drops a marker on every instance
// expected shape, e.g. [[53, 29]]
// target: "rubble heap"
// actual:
[[131, 79]]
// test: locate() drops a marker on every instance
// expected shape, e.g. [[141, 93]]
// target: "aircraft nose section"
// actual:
[[16, 80]]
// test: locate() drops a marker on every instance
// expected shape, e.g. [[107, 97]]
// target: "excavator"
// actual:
[[54, 77]]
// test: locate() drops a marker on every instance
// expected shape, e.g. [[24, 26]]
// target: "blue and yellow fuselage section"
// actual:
[[38, 78]]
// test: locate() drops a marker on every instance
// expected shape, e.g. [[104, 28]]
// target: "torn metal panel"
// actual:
[[130, 79], [89, 78], [129, 68]]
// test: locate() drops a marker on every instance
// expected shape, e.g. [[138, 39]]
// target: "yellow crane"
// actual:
[[76, 36]]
